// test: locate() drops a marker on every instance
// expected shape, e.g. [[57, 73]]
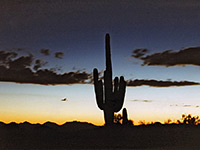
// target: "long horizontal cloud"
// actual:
[[145, 101], [43, 77], [188, 56], [25, 69], [155, 83], [176, 105], [13, 69]]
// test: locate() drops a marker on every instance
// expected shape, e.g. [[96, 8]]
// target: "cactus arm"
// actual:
[[119, 95], [122, 88], [98, 86], [116, 85]]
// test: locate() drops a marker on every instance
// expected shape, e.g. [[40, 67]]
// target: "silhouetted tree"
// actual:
[[109, 99]]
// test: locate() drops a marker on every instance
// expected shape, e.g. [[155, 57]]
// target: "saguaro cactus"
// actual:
[[109, 99]]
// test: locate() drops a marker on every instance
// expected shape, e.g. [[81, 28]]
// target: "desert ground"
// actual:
[[77, 135]]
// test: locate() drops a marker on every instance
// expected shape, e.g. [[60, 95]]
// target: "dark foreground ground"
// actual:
[[77, 135]]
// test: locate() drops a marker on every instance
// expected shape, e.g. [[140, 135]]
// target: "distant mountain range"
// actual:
[[75, 125]]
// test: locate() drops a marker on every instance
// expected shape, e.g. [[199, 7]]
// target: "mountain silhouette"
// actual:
[[50, 124], [84, 135]]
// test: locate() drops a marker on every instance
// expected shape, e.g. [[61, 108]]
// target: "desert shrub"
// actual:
[[118, 119], [189, 120]]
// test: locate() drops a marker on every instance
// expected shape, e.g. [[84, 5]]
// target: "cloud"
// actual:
[[27, 69], [19, 70], [138, 53], [59, 55], [196, 106], [56, 68], [146, 101], [45, 52], [187, 106], [174, 105], [168, 58], [21, 63], [5, 57], [39, 63], [155, 83], [43, 77]]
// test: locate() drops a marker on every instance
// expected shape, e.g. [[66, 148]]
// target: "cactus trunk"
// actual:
[[109, 99]]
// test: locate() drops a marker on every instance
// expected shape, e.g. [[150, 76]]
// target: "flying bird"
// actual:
[[64, 99]]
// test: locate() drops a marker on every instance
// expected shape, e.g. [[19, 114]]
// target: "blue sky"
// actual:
[[77, 29]]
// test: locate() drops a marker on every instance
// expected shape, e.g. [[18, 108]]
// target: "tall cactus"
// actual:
[[108, 99]]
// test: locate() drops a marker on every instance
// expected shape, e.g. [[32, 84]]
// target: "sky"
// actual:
[[48, 50]]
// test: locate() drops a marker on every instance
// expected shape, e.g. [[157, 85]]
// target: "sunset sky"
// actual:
[[48, 50]]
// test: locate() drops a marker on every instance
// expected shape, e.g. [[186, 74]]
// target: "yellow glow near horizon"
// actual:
[[20, 117], [96, 119], [39, 104]]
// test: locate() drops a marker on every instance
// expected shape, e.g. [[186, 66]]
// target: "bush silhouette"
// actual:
[[189, 120], [117, 118]]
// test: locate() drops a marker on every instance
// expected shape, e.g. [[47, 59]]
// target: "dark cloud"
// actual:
[[39, 63], [146, 101], [138, 53], [56, 68], [155, 83], [21, 63], [59, 55], [6, 57], [43, 77], [45, 52], [188, 56], [19, 70]]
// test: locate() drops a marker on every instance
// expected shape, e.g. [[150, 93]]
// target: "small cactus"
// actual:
[[125, 117], [109, 99]]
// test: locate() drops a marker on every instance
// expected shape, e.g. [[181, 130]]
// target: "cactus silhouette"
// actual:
[[109, 99], [125, 117]]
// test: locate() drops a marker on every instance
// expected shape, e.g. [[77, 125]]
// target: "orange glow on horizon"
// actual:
[[99, 121]]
